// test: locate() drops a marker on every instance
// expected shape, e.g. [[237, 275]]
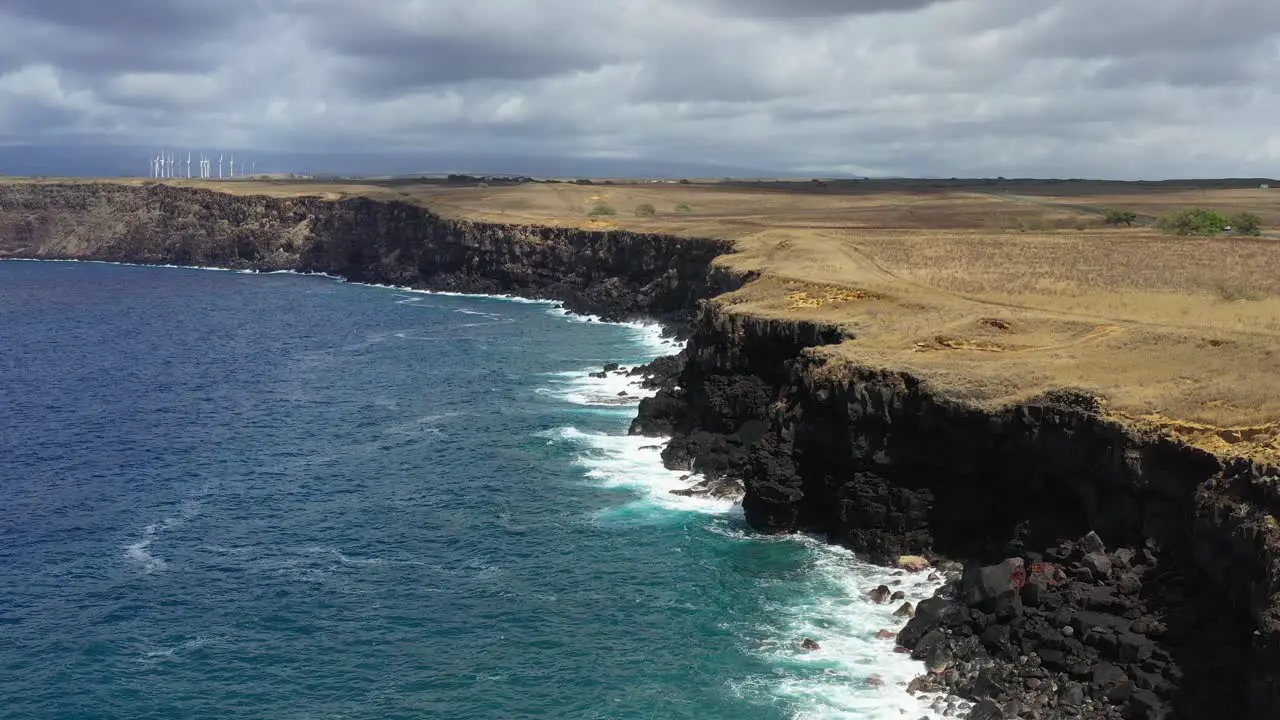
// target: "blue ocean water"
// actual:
[[226, 495]]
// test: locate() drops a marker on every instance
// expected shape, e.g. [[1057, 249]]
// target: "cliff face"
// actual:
[[878, 462], [614, 274], [1184, 614]]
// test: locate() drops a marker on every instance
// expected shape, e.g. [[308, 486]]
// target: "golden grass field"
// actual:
[[992, 293]]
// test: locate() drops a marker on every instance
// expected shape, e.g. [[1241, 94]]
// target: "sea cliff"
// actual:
[[1110, 571], [613, 274]]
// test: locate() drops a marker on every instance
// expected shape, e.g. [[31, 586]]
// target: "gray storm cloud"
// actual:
[[1149, 88]]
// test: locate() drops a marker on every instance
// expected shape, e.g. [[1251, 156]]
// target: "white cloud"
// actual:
[[961, 87]]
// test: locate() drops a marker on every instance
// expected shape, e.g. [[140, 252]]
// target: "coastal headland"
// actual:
[[1087, 415]]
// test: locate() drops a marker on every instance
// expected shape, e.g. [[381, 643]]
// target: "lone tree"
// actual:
[[1120, 217], [646, 210], [1247, 224], [1196, 221], [601, 210]]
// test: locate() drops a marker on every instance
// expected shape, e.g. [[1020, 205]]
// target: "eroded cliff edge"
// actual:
[[616, 275], [873, 458], [1183, 620]]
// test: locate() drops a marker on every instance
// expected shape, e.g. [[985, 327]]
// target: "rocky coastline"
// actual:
[[1109, 572], [614, 274]]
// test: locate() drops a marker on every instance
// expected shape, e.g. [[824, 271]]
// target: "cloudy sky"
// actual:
[[1097, 88]]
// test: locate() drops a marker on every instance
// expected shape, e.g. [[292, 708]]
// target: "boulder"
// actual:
[[912, 563], [1123, 558], [1071, 695], [1091, 543], [1128, 583], [988, 684], [880, 595], [1134, 648], [1146, 705], [940, 658], [1035, 592], [905, 611], [899, 595], [810, 644], [611, 367], [994, 588], [929, 615], [1099, 564], [725, 489], [986, 710]]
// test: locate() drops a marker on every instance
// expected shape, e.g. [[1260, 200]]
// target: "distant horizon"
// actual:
[[109, 161]]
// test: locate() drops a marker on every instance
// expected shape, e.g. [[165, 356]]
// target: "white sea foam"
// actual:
[[491, 316], [175, 652], [634, 462], [646, 334], [615, 389], [834, 680], [127, 264], [139, 552]]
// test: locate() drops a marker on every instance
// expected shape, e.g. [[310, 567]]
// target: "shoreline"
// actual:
[[930, 705], [880, 689], [873, 459]]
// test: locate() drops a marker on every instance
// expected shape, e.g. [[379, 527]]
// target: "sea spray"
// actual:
[[854, 673]]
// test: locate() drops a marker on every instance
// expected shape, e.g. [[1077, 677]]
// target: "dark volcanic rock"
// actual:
[[995, 588], [1025, 495], [617, 275], [987, 710]]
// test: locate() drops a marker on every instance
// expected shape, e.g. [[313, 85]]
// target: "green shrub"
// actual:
[[1247, 224], [646, 210], [1196, 221], [1120, 217], [601, 210]]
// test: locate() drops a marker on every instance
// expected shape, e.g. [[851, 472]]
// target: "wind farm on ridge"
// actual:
[[167, 165]]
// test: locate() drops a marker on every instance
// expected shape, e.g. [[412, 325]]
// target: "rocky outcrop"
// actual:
[[1187, 596], [615, 274]]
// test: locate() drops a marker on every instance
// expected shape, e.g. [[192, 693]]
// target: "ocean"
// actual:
[[229, 495]]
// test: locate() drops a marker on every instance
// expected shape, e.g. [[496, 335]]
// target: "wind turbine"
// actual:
[[219, 166], [233, 165], [188, 164]]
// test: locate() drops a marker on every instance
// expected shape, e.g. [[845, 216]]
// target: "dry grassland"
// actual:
[[994, 295]]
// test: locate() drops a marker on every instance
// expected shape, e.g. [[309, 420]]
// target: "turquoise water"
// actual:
[[226, 495]]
